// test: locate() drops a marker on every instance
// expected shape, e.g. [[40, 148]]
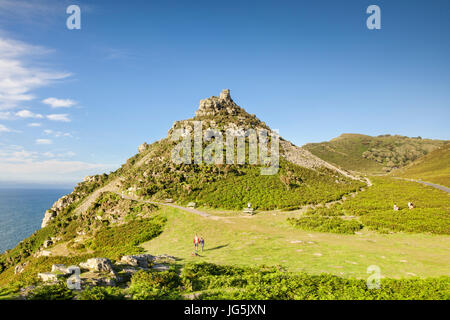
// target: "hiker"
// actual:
[[249, 205], [202, 242], [410, 205], [395, 207], [196, 241]]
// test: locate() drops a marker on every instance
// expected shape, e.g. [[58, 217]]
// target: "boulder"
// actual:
[[19, 268], [94, 279], [140, 260], [164, 258], [48, 277], [160, 267], [48, 243], [98, 265]]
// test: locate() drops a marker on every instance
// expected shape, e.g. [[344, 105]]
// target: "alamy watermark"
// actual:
[[73, 22], [190, 149], [374, 280]]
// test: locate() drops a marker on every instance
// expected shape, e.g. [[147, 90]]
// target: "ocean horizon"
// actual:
[[22, 211]]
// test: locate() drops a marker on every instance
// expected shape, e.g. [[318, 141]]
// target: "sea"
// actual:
[[21, 212]]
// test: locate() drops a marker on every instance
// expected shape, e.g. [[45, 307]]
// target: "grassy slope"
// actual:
[[434, 167], [347, 151], [269, 239]]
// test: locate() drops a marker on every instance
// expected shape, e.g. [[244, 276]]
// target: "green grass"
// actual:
[[372, 155], [267, 238], [434, 167], [326, 224], [225, 282], [375, 207]]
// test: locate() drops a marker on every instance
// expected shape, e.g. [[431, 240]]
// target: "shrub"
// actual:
[[101, 293], [52, 292], [325, 224], [152, 285]]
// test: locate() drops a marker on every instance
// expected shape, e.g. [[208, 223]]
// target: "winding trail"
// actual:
[[114, 188], [437, 186]]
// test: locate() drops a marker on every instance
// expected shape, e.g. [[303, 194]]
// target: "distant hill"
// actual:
[[434, 167], [373, 155]]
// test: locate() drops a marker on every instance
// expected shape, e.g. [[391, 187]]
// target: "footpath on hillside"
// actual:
[[437, 186]]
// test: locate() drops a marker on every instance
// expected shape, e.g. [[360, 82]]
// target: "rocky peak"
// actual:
[[213, 105]]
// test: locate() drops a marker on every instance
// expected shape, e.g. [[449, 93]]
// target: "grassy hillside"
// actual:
[[434, 167], [372, 155], [374, 209], [309, 218]]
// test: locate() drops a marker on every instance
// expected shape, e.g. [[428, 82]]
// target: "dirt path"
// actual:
[[445, 189], [111, 187]]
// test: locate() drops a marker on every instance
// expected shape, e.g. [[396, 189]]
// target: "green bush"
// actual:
[[101, 293], [262, 283], [116, 241], [154, 285], [52, 292], [325, 224]]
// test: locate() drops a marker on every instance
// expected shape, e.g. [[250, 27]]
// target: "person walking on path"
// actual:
[[202, 242], [196, 241]]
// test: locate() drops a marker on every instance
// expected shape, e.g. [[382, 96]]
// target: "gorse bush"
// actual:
[[325, 224], [231, 186], [152, 285], [116, 241], [275, 283], [374, 208], [101, 293], [57, 291]]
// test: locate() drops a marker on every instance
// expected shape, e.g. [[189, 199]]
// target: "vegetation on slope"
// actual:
[[374, 209], [210, 281], [368, 154], [434, 167], [233, 186]]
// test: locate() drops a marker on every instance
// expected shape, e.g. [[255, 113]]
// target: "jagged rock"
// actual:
[[142, 147], [43, 253], [57, 207], [48, 277], [164, 258], [98, 265], [48, 216], [160, 267], [20, 267], [48, 243], [213, 105], [140, 260], [94, 279]]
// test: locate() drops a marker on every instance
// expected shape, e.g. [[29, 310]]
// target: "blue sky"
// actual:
[[78, 102]]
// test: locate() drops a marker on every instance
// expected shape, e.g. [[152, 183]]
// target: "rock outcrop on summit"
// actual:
[[151, 174]]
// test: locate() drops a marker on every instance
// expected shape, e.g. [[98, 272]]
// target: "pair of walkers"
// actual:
[[198, 241]]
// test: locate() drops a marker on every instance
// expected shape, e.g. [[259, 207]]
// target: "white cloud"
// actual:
[[57, 134], [44, 141], [28, 114], [34, 124], [20, 75], [59, 103], [50, 170], [59, 117], [6, 115], [4, 129], [20, 165]]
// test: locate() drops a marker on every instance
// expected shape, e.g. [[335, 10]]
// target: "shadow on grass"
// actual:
[[216, 248]]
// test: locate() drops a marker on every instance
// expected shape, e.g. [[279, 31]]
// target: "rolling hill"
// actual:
[[372, 155], [433, 167]]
